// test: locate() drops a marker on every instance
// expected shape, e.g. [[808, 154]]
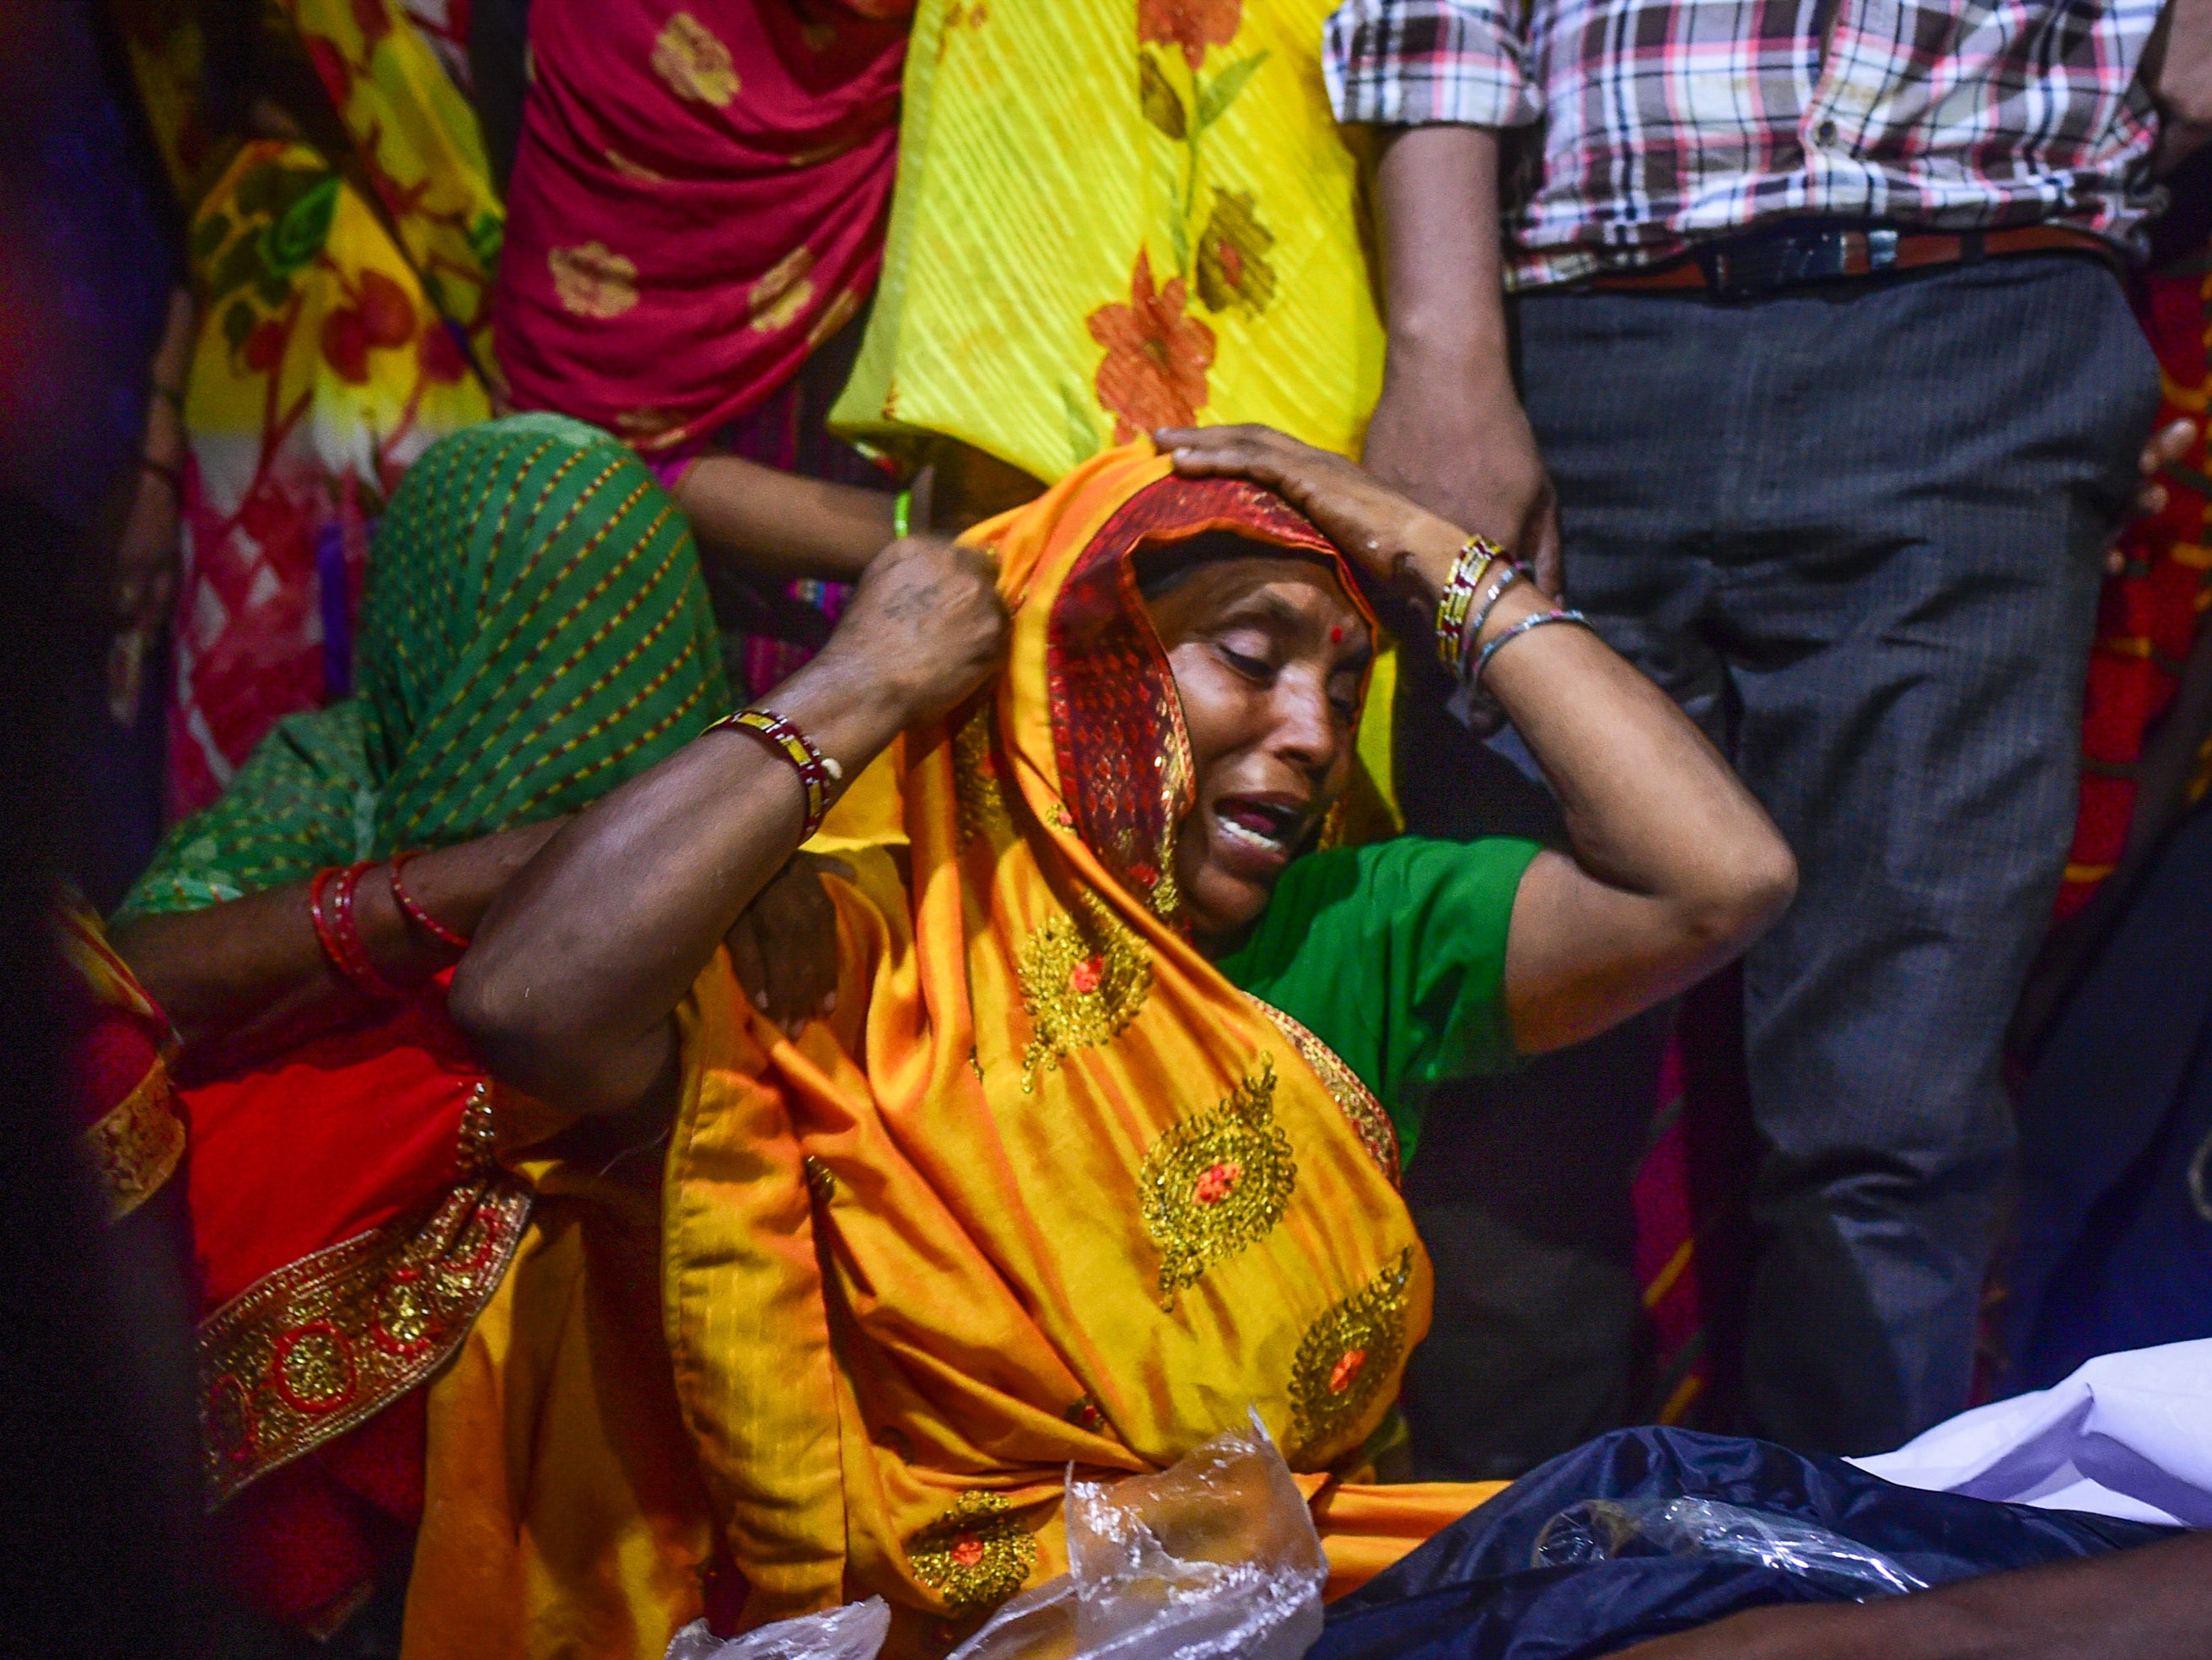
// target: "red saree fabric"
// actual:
[[698, 202], [293, 1151], [348, 1223], [2148, 620]]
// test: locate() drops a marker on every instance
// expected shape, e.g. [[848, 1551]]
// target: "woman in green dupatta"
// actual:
[[535, 631]]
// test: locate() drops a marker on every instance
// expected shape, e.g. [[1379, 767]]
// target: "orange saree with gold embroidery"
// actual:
[[1047, 1191]]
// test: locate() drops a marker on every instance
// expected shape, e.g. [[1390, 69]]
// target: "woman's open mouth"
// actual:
[[1257, 833]]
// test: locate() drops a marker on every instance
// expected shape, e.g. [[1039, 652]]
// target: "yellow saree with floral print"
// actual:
[[1046, 1191], [1115, 215], [344, 280]]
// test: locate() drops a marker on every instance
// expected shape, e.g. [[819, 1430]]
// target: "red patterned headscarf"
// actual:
[[698, 202], [1117, 720]]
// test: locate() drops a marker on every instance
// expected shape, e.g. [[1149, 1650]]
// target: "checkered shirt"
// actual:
[[1639, 126]]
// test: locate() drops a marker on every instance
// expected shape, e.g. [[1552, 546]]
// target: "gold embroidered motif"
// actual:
[[695, 63], [592, 280], [1082, 979], [1165, 898], [834, 315], [1160, 891], [1216, 1182], [636, 172], [1370, 1122], [1348, 1355], [303, 1356], [1085, 1415], [137, 1144], [975, 1556], [976, 785], [781, 292]]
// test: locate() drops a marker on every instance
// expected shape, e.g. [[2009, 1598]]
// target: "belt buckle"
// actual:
[[1744, 267]]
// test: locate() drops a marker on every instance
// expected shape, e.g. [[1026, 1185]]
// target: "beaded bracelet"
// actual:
[[413, 909], [1475, 558], [817, 771], [1534, 619], [330, 906], [901, 514]]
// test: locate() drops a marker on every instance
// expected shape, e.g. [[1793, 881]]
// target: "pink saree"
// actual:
[[698, 202]]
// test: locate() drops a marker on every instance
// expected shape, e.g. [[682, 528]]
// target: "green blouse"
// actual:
[[1393, 955]]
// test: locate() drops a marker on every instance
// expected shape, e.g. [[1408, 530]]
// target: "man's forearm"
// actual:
[[1435, 202], [1448, 430], [2179, 67]]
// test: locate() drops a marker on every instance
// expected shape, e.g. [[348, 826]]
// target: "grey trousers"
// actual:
[[1857, 532]]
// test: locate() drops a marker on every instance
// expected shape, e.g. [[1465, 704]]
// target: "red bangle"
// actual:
[[322, 936], [412, 907], [817, 771], [331, 902]]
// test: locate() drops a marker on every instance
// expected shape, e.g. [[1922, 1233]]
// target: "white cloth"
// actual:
[[2129, 1435]]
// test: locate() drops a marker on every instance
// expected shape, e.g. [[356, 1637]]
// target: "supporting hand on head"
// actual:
[[1674, 868], [569, 989], [1390, 538], [926, 627]]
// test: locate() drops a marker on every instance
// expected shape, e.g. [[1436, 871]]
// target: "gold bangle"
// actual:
[[1475, 558]]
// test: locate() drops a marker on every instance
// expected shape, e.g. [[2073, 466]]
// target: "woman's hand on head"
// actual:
[[1376, 528], [926, 625]]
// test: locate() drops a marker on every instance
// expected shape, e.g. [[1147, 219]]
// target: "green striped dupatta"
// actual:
[[535, 631]]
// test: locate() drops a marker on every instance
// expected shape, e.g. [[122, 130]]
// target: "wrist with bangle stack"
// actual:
[[1470, 594], [333, 906], [818, 774], [330, 907]]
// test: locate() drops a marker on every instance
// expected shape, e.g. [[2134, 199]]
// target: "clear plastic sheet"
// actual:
[[854, 1632], [1214, 1558], [1600, 1529]]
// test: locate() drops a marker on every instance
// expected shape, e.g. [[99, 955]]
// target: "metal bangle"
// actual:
[[1534, 619], [1480, 614]]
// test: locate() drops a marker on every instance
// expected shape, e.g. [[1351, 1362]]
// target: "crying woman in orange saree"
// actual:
[[1086, 1159]]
